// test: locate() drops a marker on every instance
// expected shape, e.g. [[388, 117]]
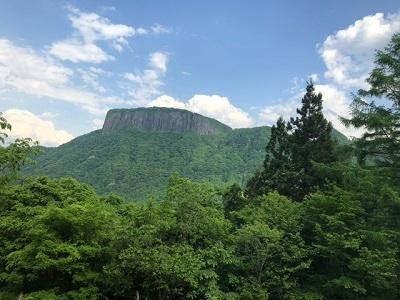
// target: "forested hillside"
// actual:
[[136, 163], [312, 223]]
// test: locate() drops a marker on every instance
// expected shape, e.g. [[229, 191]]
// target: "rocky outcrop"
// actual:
[[163, 120]]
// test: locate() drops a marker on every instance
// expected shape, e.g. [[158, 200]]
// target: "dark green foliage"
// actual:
[[294, 149], [310, 142], [355, 238]]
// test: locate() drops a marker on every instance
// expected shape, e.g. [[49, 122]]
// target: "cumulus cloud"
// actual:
[[167, 101], [214, 106], [26, 124], [349, 53], [26, 71]]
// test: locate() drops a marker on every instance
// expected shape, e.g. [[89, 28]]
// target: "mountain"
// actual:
[[162, 119], [138, 149]]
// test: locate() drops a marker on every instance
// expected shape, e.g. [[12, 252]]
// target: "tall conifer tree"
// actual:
[[311, 142], [293, 150]]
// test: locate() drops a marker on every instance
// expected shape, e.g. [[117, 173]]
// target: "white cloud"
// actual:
[[335, 105], [314, 77], [159, 60], [77, 51], [214, 106], [97, 124], [90, 78], [91, 28], [157, 29], [48, 115], [270, 113], [167, 101], [26, 71], [26, 124], [146, 85], [22, 64], [349, 53]]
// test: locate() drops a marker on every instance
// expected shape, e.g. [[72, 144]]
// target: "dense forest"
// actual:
[[318, 220]]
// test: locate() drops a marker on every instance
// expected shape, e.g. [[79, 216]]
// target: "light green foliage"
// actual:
[[176, 246], [270, 249], [54, 237]]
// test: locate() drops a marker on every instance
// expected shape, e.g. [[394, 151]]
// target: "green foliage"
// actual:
[[270, 250], [355, 252], [54, 237], [137, 164], [176, 246], [61, 240], [15, 155]]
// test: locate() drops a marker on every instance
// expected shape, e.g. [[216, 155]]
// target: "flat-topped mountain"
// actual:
[[161, 119]]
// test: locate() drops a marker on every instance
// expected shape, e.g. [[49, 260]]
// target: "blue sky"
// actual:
[[63, 64]]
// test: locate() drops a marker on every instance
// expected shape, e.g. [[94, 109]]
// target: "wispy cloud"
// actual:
[[146, 85], [27, 71]]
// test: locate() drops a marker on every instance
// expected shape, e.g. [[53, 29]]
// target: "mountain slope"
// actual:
[[136, 163]]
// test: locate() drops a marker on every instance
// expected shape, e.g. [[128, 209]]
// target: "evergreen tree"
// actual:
[[380, 114], [311, 142], [293, 150]]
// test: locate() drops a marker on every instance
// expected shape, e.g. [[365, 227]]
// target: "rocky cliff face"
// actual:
[[163, 120]]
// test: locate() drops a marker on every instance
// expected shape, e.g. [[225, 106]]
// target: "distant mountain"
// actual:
[[138, 149]]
